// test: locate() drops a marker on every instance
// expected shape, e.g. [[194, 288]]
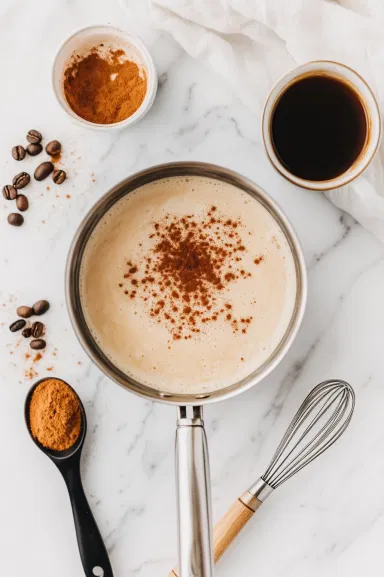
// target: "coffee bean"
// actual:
[[21, 180], [22, 202], [43, 170], [15, 219], [38, 344], [9, 192], [18, 152], [40, 307], [24, 312], [27, 332], [37, 329], [59, 176], [17, 325], [34, 136], [53, 148], [34, 149]]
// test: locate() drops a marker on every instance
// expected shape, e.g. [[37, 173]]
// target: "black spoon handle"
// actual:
[[91, 546]]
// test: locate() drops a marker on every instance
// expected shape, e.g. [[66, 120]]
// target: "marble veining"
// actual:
[[329, 520]]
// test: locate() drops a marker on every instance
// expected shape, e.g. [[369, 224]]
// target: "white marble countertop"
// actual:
[[328, 520]]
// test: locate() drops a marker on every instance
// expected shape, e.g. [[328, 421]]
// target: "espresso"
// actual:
[[188, 284], [319, 127]]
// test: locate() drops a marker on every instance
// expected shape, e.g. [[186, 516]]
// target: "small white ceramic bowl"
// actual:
[[81, 42]]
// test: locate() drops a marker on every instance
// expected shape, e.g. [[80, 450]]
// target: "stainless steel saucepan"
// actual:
[[192, 466]]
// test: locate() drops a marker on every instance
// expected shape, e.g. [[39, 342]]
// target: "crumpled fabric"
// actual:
[[251, 43]]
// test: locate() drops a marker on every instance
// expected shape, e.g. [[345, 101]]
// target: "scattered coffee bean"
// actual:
[[27, 332], [15, 219], [18, 152], [9, 192], [22, 202], [40, 307], [43, 170], [34, 136], [34, 149], [17, 325], [53, 148], [24, 312], [21, 180], [38, 344], [59, 176], [37, 329]]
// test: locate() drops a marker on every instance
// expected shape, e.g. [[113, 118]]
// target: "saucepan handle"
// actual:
[[194, 496]]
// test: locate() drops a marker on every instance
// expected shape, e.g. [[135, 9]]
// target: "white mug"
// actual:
[[368, 100]]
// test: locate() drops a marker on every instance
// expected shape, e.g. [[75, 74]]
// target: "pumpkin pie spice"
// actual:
[[55, 415]]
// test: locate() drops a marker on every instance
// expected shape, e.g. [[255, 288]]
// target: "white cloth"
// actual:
[[252, 43]]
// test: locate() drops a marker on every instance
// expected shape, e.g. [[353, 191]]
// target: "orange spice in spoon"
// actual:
[[54, 414]]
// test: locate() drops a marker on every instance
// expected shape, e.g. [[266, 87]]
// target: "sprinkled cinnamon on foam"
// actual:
[[188, 267]]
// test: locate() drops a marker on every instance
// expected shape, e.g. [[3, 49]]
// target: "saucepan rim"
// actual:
[[88, 224]]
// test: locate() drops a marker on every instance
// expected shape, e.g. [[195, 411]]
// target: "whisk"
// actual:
[[321, 419]]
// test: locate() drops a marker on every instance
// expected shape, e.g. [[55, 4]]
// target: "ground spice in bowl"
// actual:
[[55, 415], [104, 87]]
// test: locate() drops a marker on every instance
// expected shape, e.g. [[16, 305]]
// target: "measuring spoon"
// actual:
[[93, 553]]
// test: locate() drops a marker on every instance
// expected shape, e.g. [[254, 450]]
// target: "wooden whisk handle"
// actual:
[[230, 525]]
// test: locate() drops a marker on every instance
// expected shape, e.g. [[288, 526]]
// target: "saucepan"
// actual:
[[192, 466]]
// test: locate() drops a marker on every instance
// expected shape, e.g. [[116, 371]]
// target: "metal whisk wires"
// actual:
[[320, 421]]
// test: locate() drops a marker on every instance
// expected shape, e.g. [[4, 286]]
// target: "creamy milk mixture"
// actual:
[[142, 315]]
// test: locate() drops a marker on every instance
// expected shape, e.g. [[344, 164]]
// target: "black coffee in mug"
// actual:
[[318, 127]]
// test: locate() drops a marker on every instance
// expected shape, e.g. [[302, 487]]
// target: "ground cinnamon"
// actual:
[[54, 415], [104, 87], [184, 278]]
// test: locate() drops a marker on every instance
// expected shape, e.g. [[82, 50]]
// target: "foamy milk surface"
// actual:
[[142, 346]]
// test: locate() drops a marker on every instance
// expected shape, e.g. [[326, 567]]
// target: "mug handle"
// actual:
[[193, 496]]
